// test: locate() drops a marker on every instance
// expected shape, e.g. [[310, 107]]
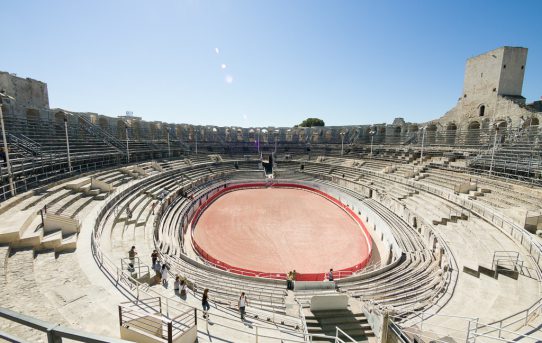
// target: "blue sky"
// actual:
[[347, 62]]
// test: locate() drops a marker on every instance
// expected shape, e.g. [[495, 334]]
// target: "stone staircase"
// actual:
[[325, 322]]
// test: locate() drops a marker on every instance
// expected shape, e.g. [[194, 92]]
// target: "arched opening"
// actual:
[[136, 130], [451, 130], [32, 115], [155, 128], [179, 132], [59, 123], [328, 136], [431, 134], [532, 121], [316, 134], [501, 130], [482, 110], [473, 133], [380, 134], [104, 123], [121, 129]]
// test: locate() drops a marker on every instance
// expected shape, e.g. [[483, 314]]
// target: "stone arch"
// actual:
[[531, 121], [251, 135], [431, 134], [136, 129], [328, 136], [155, 130], [103, 123], [451, 131], [473, 133], [32, 114], [121, 129], [413, 128], [59, 123]]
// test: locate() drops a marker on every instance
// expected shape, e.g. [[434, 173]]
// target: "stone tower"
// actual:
[[497, 72]]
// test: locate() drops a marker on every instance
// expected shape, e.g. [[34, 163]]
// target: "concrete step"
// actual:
[[67, 244], [51, 240], [29, 239]]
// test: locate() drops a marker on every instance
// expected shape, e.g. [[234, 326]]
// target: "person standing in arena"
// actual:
[[131, 256], [205, 303], [243, 302], [330, 275], [289, 281], [154, 257], [165, 270]]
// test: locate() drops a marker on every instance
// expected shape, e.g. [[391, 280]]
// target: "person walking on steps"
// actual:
[[154, 257], [289, 281], [131, 256], [243, 302], [184, 288], [205, 303], [165, 270], [177, 284]]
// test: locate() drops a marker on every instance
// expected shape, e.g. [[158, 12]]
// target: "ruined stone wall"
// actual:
[[28, 93]]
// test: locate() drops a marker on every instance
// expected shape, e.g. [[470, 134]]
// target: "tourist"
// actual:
[[177, 285], [294, 276], [152, 207], [128, 212], [243, 302], [131, 256], [164, 271], [158, 272], [330, 275], [184, 288], [154, 257], [289, 281], [205, 303]]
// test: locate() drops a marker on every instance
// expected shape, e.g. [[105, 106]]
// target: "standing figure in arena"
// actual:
[[243, 302], [184, 289], [289, 281], [164, 274], [205, 303], [330, 275], [131, 256], [154, 257]]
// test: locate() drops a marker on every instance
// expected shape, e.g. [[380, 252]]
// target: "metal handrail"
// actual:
[[55, 331]]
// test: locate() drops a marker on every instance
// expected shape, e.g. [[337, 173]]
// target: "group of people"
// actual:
[[161, 269], [180, 286], [242, 303], [291, 276]]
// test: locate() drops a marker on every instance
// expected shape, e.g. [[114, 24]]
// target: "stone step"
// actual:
[[68, 243], [51, 240]]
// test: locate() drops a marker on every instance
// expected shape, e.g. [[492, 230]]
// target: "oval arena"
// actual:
[[433, 230], [267, 230]]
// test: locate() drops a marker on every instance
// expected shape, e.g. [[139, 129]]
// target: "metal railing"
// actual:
[[55, 332]]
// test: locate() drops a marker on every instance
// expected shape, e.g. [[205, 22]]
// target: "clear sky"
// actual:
[[263, 63]]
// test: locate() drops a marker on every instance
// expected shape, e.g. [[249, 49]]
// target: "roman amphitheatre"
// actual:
[[433, 230]]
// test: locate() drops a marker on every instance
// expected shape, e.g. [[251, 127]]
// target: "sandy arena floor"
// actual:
[[280, 229]]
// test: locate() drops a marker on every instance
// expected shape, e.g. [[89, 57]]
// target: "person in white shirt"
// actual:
[[243, 302], [184, 289], [164, 274]]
